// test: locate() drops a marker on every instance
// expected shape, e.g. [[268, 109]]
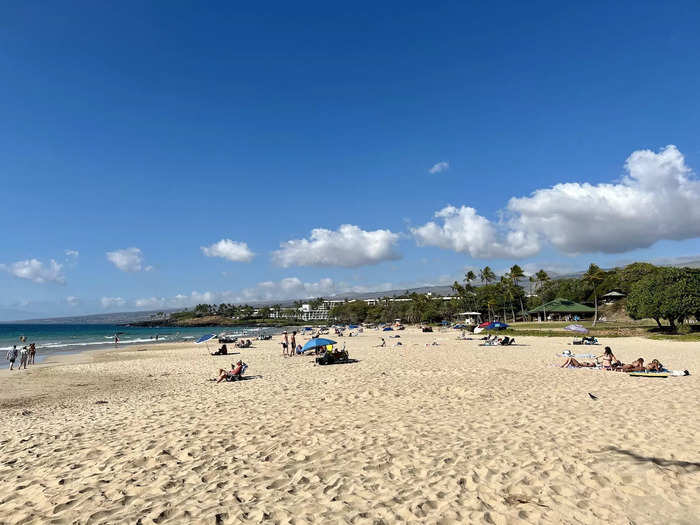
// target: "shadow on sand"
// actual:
[[689, 465]]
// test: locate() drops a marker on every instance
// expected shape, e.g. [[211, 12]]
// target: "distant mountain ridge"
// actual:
[[437, 290]]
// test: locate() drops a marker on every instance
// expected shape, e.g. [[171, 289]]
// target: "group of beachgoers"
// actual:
[[26, 356], [290, 348], [608, 361]]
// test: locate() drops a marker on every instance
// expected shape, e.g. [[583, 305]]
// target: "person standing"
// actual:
[[285, 344], [293, 345], [23, 357], [32, 353], [12, 356]]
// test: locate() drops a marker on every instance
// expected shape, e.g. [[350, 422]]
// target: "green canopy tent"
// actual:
[[562, 306]]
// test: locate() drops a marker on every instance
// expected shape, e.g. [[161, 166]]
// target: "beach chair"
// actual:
[[237, 377]]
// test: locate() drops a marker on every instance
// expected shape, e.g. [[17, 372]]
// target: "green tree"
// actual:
[[315, 304], [594, 276], [487, 275], [667, 293], [516, 274]]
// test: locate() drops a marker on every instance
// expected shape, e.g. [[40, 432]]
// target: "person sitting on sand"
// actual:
[[231, 374], [221, 351], [634, 366], [573, 363], [608, 359]]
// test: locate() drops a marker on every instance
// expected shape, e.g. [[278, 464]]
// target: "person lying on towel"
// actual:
[[573, 363]]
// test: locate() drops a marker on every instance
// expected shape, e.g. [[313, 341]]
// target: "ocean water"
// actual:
[[51, 339]]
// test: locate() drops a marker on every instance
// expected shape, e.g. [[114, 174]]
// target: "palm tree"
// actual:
[[486, 275], [541, 277], [595, 276], [490, 304], [469, 277], [516, 273]]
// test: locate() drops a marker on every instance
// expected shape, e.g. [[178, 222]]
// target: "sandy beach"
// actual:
[[454, 433]]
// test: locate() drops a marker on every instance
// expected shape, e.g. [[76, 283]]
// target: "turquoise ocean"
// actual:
[[51, 339]]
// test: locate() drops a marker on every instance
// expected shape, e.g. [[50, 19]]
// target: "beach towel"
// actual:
[[577, 356]]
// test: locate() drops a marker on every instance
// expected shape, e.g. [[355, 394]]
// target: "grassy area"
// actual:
[[643, 328]]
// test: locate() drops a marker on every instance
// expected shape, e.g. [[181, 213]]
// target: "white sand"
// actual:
[[449, 434]]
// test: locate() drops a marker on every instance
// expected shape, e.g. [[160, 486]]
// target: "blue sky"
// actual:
[[169, 128]]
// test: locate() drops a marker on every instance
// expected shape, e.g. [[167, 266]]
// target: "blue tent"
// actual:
[[352, 326], [318, 342], [497, 326]]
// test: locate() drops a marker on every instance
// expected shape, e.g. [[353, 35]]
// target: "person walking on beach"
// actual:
[[32, 353], [11, 356], [293, 344], [23, 357], [116, 339]]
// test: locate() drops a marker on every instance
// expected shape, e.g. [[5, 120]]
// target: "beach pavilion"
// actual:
[[470, 318], [560, 308]]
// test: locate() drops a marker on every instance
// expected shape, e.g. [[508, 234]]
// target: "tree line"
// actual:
[[659, 293], [653, 292]]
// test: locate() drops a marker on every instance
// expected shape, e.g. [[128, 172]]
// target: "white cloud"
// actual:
[[127, 260], [228, 249], [112, 302], [463, 230], [266, 291], [657, 200], [74, 254], [348, 247], [35, 270], [72, 300], [439, 167]]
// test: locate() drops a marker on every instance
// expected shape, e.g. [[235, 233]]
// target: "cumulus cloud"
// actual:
[[463, 230], [228, 249], [112, 302], [72, 300], [266, 291], [348, 247], [35, 270], [73, 254], [656, 200], [128, 260]]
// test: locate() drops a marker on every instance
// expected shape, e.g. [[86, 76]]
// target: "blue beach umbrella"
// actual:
[[205, 339], [497, 326], [318, 342]]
